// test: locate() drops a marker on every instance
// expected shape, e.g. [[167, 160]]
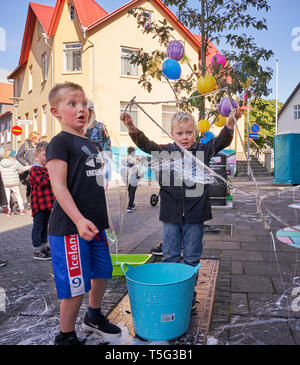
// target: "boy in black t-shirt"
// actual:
[[80, 254]]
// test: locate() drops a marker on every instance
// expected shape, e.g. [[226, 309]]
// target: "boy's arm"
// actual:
[[58, 176]]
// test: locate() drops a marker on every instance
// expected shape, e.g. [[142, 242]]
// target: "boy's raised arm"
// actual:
[[58, 177]]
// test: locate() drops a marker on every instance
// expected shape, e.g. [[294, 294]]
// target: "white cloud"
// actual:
[[3, 75]]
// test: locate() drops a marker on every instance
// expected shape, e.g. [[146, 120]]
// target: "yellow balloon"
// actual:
[[220, 121], [206, 84], [203, 125], [155, 64], [247, 83]]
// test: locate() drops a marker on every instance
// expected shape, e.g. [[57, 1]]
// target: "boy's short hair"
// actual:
[[180, 118], [55, 93], [130, 150], [41, 146]]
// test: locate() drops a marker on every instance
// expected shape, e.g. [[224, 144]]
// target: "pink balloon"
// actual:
[[218, 58]]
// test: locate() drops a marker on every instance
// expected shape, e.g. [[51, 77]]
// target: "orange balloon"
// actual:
[[203, 125], [206, 84]]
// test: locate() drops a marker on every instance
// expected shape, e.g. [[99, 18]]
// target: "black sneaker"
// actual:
[[41, 254], [69, 340], [158, 250], [100, 326], [130, 209], [194, 301]]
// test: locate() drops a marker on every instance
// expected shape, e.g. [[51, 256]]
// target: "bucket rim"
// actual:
[[196, 268]]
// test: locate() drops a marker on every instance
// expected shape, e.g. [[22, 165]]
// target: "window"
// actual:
[[147, 18], [128, 68], [8, 125], [26, 126], [30, 79], [73, 53], [41, 31], [44, 120], [134, 115], [2, 128], [44, 66], [35, 115], [167, 112], [72, 12], [296, 111]]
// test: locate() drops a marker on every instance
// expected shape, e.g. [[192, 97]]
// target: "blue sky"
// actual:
[[282, 21]]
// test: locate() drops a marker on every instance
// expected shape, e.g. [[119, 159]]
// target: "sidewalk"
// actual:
[[253, 291]]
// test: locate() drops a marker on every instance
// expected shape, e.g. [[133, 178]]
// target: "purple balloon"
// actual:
[[225, 106], [175, 50]]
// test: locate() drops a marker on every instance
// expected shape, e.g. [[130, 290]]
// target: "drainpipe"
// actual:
[[52, 75], [84, 29]]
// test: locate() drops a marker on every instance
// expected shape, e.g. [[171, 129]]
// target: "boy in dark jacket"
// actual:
[[183, 209], [42, 199]]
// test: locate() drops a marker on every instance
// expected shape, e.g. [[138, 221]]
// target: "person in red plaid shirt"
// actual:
[[42, 199]]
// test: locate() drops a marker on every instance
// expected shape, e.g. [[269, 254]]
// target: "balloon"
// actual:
[[218, 59], [247, 83], [155, 64], [207, 137], [171, 69], [220, 121], [225, 108], [203, 125], [206, 84], [175, 50]]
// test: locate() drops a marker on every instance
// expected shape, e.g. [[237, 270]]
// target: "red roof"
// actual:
[[43, 13], [88, 12], [6, 92]]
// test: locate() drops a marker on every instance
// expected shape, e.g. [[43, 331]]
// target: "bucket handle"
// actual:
[[122, 267]]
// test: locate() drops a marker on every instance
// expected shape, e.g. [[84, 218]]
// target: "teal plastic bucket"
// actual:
[[160, 296]]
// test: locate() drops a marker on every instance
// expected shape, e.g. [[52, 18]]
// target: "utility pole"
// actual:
[[276, 117]]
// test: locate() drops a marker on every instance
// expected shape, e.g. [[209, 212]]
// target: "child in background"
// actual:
[[42, 199], [10, 169]]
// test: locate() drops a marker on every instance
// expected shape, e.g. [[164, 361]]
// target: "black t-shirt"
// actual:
[[84, 181]]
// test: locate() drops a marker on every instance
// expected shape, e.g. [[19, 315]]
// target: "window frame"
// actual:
[[66, 50], [150, 19], [72, 12], [30, 79], [296, 110], [131, 64], [163, 113], [134, 109], [44, 66]]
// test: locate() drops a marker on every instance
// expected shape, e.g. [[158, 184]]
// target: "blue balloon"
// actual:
[[171, 69], [207, 137]]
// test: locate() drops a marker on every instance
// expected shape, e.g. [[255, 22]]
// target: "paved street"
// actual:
[[255, 298]]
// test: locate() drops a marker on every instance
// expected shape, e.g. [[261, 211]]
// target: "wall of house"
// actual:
[[286, 121], [100, 76]]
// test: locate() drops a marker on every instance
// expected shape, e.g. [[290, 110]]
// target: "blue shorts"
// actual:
[[76, 261]]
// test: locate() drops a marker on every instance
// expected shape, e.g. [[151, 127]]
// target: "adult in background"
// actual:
[[26, 156]]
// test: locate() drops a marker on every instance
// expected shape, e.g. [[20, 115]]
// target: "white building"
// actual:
[[289, 115]]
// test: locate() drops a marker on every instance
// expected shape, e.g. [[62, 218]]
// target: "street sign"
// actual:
[[255, 128], [16, 130], [254, 135], [25, 121]]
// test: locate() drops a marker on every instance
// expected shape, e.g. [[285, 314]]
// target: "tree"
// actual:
[[214, 20], [263, 112]]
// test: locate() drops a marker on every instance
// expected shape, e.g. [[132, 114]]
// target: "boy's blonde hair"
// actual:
[[55, 95], [180, 118]]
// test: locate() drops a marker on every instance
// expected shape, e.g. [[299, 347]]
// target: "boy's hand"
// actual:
[[127, 120], [86, 229], [230, 121]]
